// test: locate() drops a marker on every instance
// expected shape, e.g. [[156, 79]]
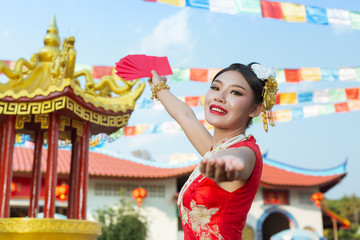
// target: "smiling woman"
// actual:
[[216, 198]]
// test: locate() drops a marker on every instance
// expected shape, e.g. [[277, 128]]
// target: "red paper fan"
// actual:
[[139, 66]]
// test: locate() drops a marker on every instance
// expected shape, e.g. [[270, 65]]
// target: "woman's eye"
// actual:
[[214, 88], [236, 93]]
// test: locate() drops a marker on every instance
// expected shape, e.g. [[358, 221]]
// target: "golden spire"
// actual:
[[51, 42]]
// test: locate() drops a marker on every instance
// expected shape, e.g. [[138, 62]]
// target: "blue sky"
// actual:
[[106, 31]]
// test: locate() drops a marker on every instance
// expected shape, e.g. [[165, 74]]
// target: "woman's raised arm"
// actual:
[[198, 135]]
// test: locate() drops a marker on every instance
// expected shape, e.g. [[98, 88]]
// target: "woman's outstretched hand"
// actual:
[[222, 169]]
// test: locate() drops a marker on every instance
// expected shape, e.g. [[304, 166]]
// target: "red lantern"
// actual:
[[139, 194], [13, 188], [317, 198], [61, 192]]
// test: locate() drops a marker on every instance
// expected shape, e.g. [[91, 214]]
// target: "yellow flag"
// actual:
[[310, 74], [288, 98], [293, 12], [283, 115], [140, 128], [178, 3], [202, 100]]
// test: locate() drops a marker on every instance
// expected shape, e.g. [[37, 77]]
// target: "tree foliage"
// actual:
[[347, 207], [123, 221]]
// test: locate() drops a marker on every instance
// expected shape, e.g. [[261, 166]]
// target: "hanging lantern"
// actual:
[[62, 191], [317, 198], [14, 188], [139, 194]]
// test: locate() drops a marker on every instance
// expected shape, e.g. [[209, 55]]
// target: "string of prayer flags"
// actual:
[[287, 98], [289, 12], [180, 75], [281, 115]]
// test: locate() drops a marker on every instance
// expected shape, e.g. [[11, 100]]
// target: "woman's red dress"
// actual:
[[210, 212]]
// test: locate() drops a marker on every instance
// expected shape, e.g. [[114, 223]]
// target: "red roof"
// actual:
[[99, 165], [273, 176], [108, 166]]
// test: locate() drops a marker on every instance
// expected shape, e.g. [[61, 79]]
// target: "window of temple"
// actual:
[[276, 197]]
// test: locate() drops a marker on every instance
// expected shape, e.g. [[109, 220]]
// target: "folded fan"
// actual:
[[140, 65]]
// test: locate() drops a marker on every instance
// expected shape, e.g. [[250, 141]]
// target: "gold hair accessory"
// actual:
[[157, 87], [269, 96]]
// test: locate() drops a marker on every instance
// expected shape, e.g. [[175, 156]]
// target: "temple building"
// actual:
[[283, 200]]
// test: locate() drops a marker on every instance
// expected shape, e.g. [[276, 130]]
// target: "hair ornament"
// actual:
[[269, 92], [263, 73]]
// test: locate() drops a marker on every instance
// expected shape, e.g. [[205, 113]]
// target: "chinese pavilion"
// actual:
[[44, 98]]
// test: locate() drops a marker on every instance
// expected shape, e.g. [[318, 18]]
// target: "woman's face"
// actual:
[[229, 103]]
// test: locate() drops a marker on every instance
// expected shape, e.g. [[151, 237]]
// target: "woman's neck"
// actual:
[[224, 134]]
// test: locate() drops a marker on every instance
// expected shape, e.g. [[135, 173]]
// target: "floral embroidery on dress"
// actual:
[[198, 218]]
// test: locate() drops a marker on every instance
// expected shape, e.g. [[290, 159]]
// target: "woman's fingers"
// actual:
[[202, 166], [220, 174], [210, 168]]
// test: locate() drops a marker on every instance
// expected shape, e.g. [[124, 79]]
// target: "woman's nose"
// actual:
[[220, 97]]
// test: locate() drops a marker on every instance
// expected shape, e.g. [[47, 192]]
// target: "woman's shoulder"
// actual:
[[250, 140]]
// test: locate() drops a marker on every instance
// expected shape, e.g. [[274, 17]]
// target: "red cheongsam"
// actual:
[[210, 212]]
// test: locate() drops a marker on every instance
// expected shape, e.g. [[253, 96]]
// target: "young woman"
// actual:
[[216, 198]]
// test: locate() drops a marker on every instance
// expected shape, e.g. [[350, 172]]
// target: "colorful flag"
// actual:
[[248, 6], [293, 12], [198, 3], [288, 98], [311, 111], [292, 75], [202, 100], [341, 107], [352, 93], [297, 113], [354, 105], [326, 109], [316, 15], [321, 96], [192, 101], [178, 3], [130, 131], [199, 75], [329, 74], [100, 71], [283, 115], [140, 128], [310, 74], [280, 75], [347, 74], [222, 6], [337, 95], [338, 16], [357, 69], [271, 9], [180, 75], [305, 97], [355, 19]]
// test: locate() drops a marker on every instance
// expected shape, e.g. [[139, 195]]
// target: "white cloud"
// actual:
[[171, 35]]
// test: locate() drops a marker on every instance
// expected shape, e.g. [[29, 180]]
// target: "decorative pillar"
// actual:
[[83, 172], [74, 175], [1, 141], [51, 168], [8, 140], [36, 175]]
